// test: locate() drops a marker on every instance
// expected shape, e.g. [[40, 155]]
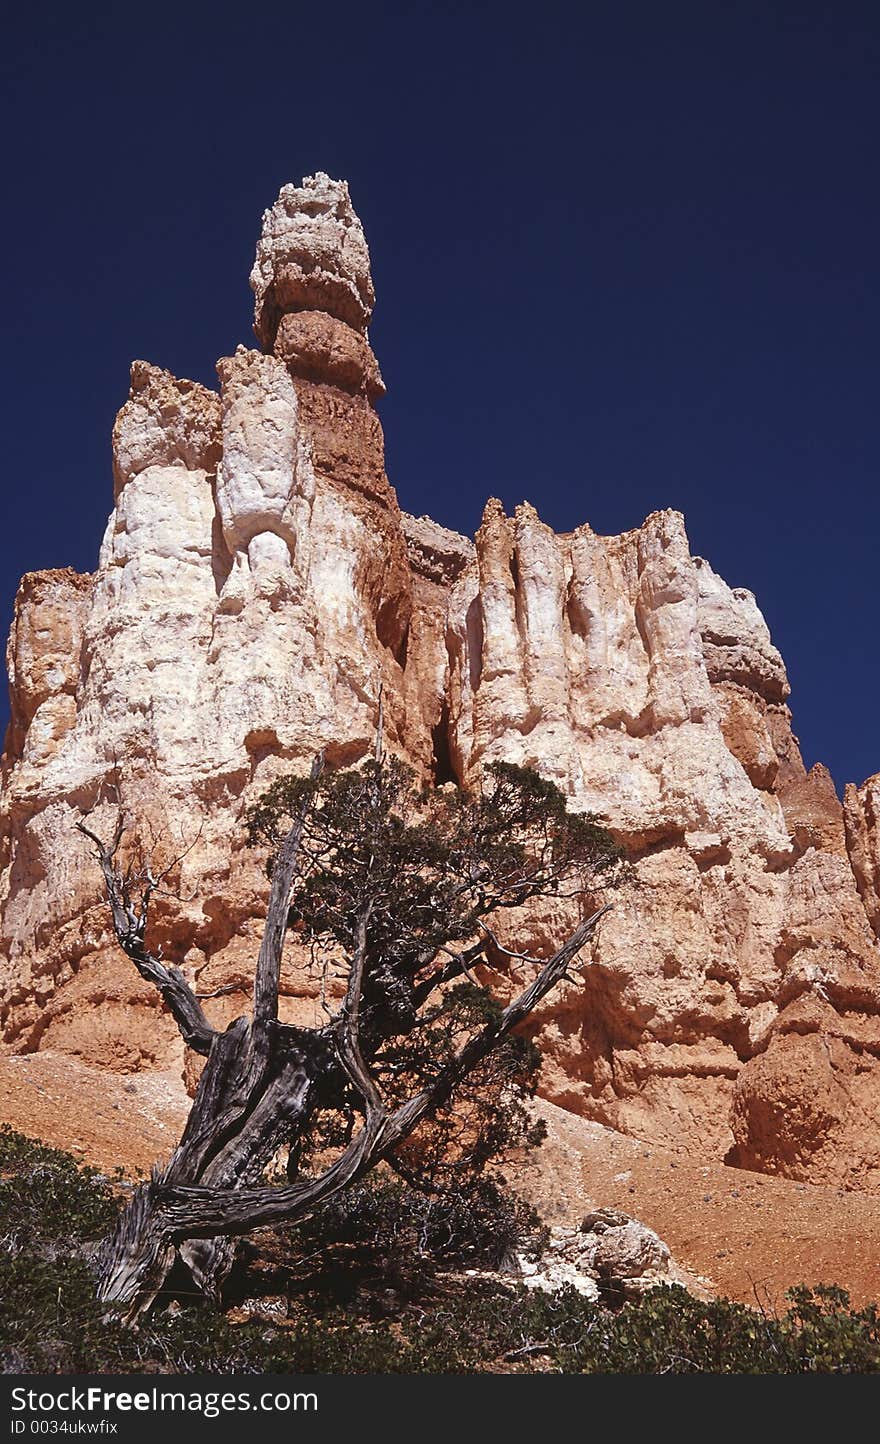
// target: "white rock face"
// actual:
[[250, 591], [585, 655], [735, 639], [261, 478], [258, 585], [165, 422], [862, 814], [609, 1250]]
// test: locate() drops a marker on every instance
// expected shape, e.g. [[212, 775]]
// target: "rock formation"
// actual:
[[258, 585], [610, 1253]]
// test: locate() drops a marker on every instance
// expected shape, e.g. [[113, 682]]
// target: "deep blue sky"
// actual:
[[625, 255]]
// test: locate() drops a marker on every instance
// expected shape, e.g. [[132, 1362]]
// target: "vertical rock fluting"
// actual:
[[256, 587], [861, 807], [627, 671]]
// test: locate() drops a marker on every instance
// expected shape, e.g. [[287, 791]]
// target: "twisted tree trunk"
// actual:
[[256, 1090], [262, 1083]]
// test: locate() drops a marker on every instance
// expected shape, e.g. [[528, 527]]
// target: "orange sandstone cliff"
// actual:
[[258, 584]]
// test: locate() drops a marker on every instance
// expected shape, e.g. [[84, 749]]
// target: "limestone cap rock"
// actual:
[[312, 255]]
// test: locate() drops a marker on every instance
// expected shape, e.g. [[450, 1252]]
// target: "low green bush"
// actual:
[[383, 1219], [52, 1211], [47, 1198]]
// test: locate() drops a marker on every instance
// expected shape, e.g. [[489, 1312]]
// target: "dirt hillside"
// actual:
[[748, 1236]]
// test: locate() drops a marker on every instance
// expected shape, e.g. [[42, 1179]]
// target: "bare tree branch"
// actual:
[[508, 952], [348, 1034], [379, 750], [268, 968], [129, 924], [454, 967]]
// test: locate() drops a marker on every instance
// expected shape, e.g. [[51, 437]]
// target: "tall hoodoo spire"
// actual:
[[258, 589], [313, 292]]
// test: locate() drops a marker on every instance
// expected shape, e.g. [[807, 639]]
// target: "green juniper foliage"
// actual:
[[430, 867], [383, 1226], [45, 1195]]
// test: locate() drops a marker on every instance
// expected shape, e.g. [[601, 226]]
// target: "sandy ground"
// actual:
[[108, 1119], [748, 1236]]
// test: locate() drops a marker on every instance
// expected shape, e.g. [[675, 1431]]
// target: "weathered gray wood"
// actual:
[[256, 1089], [272, 943], [348, 1027], [129, 924], [137, 1257], [189, 1211]]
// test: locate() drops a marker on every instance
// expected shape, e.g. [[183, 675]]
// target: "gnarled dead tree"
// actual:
[[399, 885]]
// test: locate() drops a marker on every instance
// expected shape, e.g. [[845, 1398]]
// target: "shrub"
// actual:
[[403, 1228], [52, 1208]]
